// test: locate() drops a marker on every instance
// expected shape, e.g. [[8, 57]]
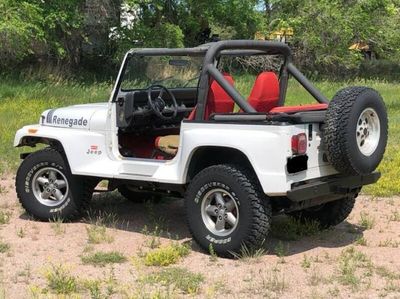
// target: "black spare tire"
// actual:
[[356, 130]]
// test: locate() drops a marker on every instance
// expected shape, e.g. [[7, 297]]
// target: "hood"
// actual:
[[77, 116]]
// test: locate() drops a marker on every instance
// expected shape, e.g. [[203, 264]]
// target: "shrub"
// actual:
[[166, 255], [60, 281]]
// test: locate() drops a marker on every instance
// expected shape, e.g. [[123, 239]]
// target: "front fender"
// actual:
[[22, 134], [85, 150]]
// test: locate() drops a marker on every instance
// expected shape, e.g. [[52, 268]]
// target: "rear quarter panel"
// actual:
[[266, 146]]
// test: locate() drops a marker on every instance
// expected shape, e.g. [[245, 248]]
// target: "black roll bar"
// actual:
[[212, 52], [262, 47], [265, 47]]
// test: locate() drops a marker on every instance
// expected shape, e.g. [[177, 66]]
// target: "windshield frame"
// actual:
[[211, 53], [161, 81]]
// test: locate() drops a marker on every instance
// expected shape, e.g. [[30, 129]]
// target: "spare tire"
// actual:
[[356, 130]]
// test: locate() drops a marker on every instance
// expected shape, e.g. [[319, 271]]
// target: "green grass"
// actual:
[[101, 259], [354, 267], [247, 254], [366, 221], [98, 234], [4, 247], [5, 217], [306, 262], [166, 255], [57, 226], [60, 281], [184, 280], [290, 228], [22, 102], [275, 282]]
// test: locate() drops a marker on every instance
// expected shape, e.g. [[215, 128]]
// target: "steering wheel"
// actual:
[[158, 104]]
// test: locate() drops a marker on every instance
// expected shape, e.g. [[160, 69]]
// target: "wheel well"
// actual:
[[33, 140], [212, 155]]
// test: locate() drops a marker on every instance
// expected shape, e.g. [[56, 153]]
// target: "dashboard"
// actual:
[[135, 115]]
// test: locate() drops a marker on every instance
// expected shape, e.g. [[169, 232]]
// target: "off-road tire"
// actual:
[[76, 199], [328, 214], [254, 215], [339, 134], [136, 196]]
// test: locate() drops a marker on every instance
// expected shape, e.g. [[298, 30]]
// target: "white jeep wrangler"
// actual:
[[170, 127]]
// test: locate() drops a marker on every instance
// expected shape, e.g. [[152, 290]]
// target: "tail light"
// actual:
[[299, 144]]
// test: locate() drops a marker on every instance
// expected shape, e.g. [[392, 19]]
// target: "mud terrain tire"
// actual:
[[356, 130], [233, 195], [47, 189]]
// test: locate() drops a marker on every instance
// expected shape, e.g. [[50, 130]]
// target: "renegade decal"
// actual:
[[50, 115], [81, 122]]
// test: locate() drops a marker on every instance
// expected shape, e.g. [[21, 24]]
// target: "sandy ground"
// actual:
[[311, 267]]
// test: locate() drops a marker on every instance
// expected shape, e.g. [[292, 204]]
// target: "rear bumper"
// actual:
[[328, 186]]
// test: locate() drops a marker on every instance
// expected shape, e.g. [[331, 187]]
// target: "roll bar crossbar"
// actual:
[[212, 52], [264, 47]]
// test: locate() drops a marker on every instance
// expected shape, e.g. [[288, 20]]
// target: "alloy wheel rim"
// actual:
[[368, 131], [50, 186], [220, 212]]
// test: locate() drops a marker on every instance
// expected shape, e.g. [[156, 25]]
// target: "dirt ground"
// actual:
[[359, 258]]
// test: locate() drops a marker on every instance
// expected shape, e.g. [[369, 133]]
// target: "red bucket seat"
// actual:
[[265, 93]]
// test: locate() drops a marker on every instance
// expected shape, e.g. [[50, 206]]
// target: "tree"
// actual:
[[324, 30], [20, 30]]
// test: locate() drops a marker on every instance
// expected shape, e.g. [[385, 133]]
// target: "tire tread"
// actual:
[[260, 205], [86, 187]]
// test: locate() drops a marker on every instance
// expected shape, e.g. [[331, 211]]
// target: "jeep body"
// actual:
[[282, 149]]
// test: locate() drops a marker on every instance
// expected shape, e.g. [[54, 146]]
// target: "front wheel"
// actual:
[[47, 189], [226, 208]]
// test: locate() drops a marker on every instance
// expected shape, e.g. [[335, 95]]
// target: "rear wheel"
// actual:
[[328, 214], [47, 189], [226, 208]]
